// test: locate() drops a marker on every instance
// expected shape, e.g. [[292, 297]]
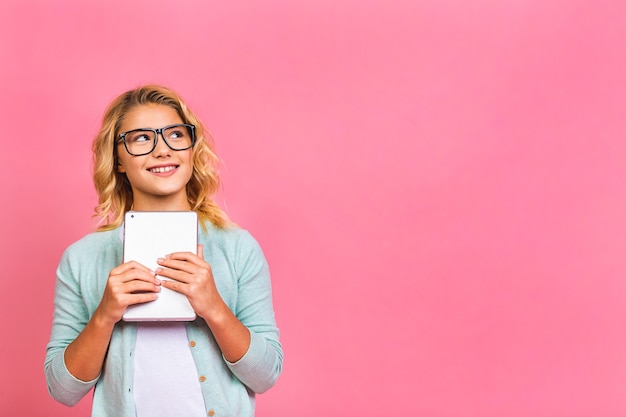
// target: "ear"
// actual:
[[120, 168]]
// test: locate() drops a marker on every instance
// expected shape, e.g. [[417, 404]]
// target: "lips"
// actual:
[[162, 169]]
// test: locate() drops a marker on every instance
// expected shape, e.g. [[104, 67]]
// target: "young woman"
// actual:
[[153, 154]]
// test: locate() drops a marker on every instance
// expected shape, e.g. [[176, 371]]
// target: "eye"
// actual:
[[138, 137], [176, 133]]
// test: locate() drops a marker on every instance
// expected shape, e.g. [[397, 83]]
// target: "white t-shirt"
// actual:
[[166, 380]]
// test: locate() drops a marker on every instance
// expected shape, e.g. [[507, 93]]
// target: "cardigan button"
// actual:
[[211, 413], [192, 344], [202, 378]]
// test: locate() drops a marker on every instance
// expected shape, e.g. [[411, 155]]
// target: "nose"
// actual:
[[161, 148]]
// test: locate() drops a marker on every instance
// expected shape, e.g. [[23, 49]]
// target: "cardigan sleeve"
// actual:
[[69, 319], [261, 365]]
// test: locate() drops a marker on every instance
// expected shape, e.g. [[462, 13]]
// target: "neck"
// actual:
[[161, 204]]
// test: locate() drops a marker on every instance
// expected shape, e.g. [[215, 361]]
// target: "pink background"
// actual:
[[439, 187]]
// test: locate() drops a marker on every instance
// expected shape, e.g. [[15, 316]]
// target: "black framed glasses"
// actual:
[[142, 141]]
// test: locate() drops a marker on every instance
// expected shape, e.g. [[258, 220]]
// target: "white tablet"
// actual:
[[149, 235]]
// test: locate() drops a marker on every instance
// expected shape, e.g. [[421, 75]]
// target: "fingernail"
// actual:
[[160, 259]]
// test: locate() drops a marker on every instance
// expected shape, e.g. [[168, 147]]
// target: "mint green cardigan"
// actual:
[[242, 278]]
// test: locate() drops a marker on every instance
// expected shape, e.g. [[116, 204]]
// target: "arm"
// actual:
[[194, 278], [84, 357], [247, 336], [78, 343]]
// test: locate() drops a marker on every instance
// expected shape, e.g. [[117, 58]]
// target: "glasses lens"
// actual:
[[139, 141], [178, 137]]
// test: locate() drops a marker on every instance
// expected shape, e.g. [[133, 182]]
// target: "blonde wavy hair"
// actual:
[[115, 195]]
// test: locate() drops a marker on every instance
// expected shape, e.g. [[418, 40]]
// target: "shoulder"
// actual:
[[91, 255], [93, 243], [236, 241], [229, 236]]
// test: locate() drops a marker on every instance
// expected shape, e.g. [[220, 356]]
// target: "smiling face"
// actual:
[[158, 179]]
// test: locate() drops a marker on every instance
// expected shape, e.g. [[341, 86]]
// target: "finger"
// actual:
[[177, 286], [141, 298], [184, 267], [184, 257], [136, 286], [201, 251], [177, 275], [127, 266], [138, 275]]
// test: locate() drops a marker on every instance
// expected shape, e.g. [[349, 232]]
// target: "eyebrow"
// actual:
[[151, 128]]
